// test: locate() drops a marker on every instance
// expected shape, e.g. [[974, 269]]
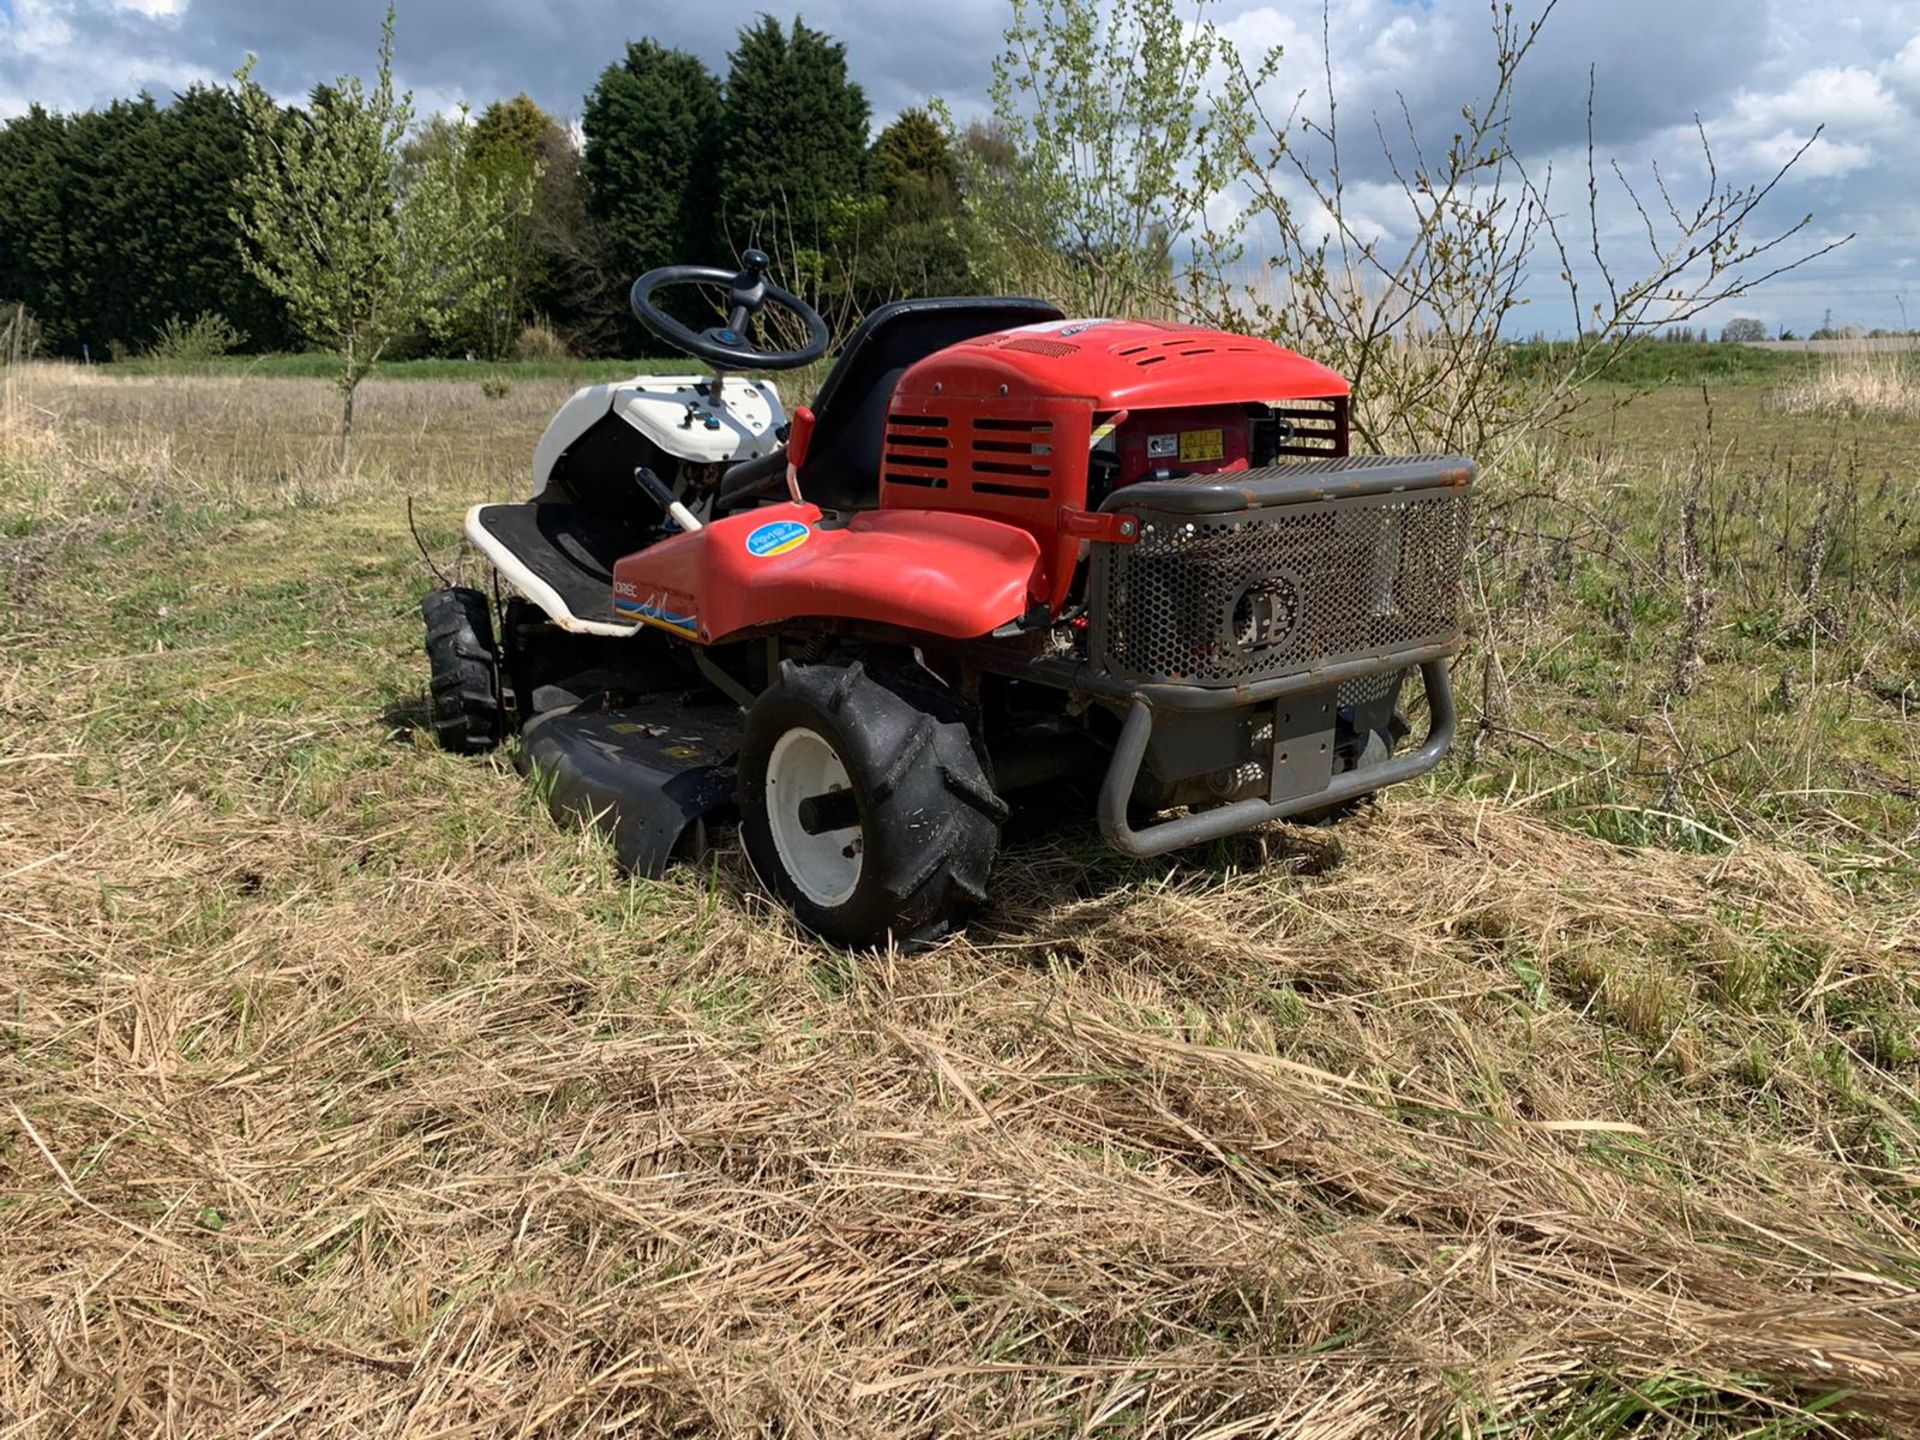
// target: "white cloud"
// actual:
[[1903, 71], [1824, 159], [1849, 100], [39, 27]]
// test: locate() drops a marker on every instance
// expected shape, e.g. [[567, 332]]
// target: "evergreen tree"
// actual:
[[913, 154], [510, 136], [652, 128], [920, 246], [201, 151], [35, 225], [116, 220], [793, 165]]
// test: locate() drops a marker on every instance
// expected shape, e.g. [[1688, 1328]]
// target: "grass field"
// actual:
[[325, 367], [1571, 1093]]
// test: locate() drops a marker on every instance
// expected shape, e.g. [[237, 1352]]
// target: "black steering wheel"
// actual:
[[728, 344]]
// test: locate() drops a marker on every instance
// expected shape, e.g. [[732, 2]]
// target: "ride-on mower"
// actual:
[[1002, 548]]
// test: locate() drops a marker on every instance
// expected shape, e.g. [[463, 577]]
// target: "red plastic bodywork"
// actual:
[[1126, 365], [951, 575], [983, 483]]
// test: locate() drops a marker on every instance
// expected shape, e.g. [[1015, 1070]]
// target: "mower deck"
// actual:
[[650, 775], [561, 557]]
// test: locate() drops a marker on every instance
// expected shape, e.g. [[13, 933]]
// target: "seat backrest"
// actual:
[[842, 470]]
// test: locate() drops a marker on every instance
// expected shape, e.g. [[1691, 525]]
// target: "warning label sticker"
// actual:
[[1201, 445]]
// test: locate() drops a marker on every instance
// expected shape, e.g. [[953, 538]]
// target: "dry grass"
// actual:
[[342, 1095], [1859, 381]]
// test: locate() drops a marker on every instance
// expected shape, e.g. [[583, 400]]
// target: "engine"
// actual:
[[1033, 424]]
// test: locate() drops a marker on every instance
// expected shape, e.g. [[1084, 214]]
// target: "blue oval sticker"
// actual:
[[777, 538]]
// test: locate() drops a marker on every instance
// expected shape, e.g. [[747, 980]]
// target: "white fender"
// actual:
[[670, 411]]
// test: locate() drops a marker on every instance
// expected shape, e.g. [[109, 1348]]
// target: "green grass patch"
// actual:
[[318, 366], [1669, 362]]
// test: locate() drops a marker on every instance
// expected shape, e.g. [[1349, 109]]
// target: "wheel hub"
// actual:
[[813, 818]]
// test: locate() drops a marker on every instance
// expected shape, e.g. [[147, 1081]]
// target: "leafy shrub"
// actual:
[[207, 335], [541, 341]]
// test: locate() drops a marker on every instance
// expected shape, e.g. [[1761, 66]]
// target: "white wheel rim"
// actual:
[[826, 867]]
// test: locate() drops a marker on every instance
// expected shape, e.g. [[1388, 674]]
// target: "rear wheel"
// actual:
[[464, 710], [864, 805]]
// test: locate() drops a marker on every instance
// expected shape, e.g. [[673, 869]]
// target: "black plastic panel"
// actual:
[[1293, 483], [570, 547]]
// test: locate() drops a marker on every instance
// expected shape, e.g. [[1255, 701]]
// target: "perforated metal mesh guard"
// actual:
[[1223, 599]]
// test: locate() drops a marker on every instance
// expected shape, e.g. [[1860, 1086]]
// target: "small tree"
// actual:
[[1418, 318], [362, 253], [208, 335], [1134, 155], [1743, 331], [1102, 153]]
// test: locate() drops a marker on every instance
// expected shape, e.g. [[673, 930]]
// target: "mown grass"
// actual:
[[1571, 1093]]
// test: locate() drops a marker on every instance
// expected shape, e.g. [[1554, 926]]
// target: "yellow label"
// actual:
[[1201, 445]]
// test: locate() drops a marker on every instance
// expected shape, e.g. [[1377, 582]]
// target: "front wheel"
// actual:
[[464, 671], [864, 805]]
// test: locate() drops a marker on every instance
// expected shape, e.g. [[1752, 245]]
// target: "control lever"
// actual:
[[663, 497]]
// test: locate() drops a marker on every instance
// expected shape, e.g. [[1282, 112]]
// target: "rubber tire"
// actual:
[[464, 709], [929, 817]]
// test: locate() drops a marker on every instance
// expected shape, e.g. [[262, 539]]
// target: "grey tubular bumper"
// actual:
[[1196, 828]]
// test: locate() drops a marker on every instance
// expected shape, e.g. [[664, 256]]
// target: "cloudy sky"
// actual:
[[1759, 74]]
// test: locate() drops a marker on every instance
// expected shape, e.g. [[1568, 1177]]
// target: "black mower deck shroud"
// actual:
[[652, 775]]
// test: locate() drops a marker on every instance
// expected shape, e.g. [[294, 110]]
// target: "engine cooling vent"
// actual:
[[917, 449], [1011, 458], [1034, 345], [1183, 347]]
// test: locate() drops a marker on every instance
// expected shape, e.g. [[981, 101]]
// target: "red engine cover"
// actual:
[[1125, 364], [1000, 425]]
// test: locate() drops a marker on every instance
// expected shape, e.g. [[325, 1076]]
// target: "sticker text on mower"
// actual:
[[1201, 445], [662, 608], [777, 538]]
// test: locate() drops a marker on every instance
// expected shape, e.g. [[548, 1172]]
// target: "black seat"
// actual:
[[842, 469]]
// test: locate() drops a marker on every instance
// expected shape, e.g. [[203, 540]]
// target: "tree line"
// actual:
[[1134, 163], [121, 229]]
